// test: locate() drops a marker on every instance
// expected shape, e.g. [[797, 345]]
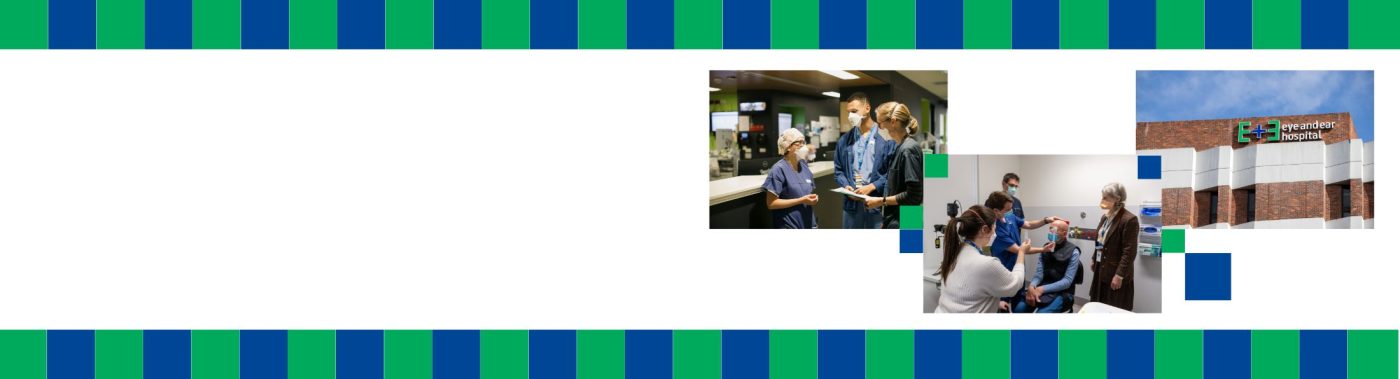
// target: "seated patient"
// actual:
[[1052, 288]]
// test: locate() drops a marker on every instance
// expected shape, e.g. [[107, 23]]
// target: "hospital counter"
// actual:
[[740, 202]]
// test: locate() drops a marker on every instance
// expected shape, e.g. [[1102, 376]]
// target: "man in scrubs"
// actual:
[[1008, 235], [1011, 184], [862, 155]]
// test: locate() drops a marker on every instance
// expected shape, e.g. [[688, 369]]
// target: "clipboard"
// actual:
[[843, 191]]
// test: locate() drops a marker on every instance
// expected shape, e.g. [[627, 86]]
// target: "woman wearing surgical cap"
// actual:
[[789, 185], [1116, 250], [904, 184]]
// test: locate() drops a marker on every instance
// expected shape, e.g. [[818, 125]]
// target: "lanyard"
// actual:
[[863, 143]]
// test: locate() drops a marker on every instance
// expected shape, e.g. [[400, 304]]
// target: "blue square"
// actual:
[[1149, 167], [911, 241], [1225, 353], [1030, 358], [1322, 354], [1207, 276]]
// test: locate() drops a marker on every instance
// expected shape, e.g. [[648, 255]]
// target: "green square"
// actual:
[[214, 354], [1371, 24], [24, 354], [911, 217], [699, 24], [311, 354], [987, 24], [1278, 24], [1371, 354], [889, 354], [408, 24], [1173, 240], [890, 24], [118, 354], [505, 354], [121, 24], [1274, 353], [505, 24], [1089, 359], [1181, 24], [986, 354], [601, 354], [695, 354], [24, 24], [217, 24], [1084, 24], [602, 24], [935, 165], [792, 24], [792, 354], [1178, 354], [408, 354]]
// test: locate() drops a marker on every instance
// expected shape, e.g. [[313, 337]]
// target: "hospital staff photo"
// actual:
[[821, 149]]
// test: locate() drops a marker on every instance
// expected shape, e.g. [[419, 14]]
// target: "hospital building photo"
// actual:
[[1288, 171]]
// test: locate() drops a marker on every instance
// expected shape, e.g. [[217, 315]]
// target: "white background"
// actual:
[[546, 189]]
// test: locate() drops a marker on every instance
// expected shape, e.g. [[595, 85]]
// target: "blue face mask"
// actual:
[[1051, 236], [1011, 190]]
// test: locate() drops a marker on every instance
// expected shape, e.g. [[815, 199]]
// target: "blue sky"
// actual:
[[1199, 95]]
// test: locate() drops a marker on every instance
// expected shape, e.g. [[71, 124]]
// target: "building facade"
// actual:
[[1273, 172]]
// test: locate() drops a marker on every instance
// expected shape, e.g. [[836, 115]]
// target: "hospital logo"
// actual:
[[1265, 131], [1276, 131]]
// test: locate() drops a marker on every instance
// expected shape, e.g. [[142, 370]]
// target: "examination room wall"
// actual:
[[1052, 185]]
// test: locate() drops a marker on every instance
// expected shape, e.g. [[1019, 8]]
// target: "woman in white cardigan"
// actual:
[[972, 282]]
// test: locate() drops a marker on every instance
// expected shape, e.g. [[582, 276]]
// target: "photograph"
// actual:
[[821, 149], [1261, 149], [1042, 234]]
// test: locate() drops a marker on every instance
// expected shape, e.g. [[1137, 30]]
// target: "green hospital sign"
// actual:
[[1276, 131]]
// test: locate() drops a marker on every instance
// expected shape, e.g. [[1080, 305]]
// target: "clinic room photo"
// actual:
[[821, 149], [1042, 234]]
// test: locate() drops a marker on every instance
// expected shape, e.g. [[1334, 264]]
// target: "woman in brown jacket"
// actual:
[[1117, 249]]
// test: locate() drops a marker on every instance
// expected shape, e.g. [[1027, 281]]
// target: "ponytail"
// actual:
[[900, 113], [963, 227]]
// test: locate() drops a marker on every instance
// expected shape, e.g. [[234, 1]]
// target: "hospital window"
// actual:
[[1346, 201], [1249, 205], [1214, 207]]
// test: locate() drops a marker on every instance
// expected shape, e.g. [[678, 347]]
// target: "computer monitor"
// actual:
[[724, 120]]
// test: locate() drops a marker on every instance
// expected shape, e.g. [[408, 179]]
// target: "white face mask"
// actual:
[[805, 153], [855, 118]]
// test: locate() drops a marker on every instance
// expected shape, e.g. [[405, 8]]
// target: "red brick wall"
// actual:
[[1370, 200], [1178, 206], [1358, 198], [1205, 134], [1281, 201]]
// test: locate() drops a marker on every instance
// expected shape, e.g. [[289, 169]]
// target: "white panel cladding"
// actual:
[[1370, 223], [1344, 161], [1289, 162], [1368, 161], [1178, 166], [1218, 225], [1243, 171], [1353, 222], [1292, 223], [1212, 168]]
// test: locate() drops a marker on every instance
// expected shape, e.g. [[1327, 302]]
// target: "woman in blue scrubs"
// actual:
[[789, 185]]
